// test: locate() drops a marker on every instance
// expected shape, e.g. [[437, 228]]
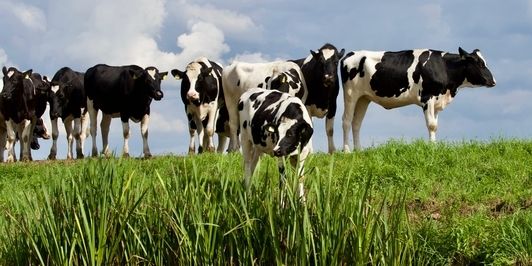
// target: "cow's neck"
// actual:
[[455, 73]]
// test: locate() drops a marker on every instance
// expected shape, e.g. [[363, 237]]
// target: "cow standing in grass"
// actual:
[[202, 95], [424, 77], [277, 124]]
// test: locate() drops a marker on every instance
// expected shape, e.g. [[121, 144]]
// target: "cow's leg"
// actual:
[[55, 135], [93, 113], [3, 138], [144, 132], [84, 120], [208, 138], [125, 132], [26, 136], [104, 127], [76, 133], [431, 119], [360, 111], [232, 110], [251, 158], [222, 140], [69, 138], [201, 133], [191, 143], [347, 119], [11, 138], [329, 126]]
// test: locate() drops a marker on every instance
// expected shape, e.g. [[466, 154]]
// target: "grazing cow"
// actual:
[[274, 123], [321, 76], [125, 91], [18, 109], [69, 102], [428, 78], [239, 77], [202, 94], [40, 131]]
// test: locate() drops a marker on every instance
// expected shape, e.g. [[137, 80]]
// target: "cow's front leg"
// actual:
[[125, 132], [26, 133], [93, 114], [69, 138], [360, 111], [251, 157], [208, 138], [144, 132], [3, 139], [11, 138], [104, 126], [201, 133], [431, 119], [55, 135], [329, 125]]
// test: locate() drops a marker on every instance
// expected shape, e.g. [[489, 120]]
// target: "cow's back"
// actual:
[[108, 86]]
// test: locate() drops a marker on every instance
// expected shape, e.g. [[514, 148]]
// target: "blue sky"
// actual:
[[47, 35]]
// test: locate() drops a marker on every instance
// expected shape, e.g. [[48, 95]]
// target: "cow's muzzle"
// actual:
[[158, 95]]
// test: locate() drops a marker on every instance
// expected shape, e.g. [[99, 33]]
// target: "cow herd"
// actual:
[[269, 105]]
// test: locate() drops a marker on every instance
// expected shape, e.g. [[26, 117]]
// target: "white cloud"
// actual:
[[205, 39], [30, 16]]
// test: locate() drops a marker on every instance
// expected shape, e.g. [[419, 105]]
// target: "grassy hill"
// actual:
[[395, 204]]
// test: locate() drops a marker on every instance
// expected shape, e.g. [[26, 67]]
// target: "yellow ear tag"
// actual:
[[283, 80], [270, 129], [164, 76]]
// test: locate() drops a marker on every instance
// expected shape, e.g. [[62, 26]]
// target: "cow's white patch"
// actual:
[[55, 88], [482, 58], [327, 53], [10, 73], [152, 73]]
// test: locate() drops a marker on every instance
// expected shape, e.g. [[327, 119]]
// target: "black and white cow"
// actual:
[[202, 94], [18, 110], [240, 76], [320, 70], [428, 78], [68, 101], [274, 123], [125, 92]]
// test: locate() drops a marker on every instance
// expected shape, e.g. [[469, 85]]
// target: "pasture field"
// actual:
[[395, 204]]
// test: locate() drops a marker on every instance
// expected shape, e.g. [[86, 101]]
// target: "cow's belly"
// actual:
[[201, 111], [408, 97]]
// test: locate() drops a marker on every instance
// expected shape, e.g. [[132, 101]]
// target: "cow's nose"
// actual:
[[277, 153], [192, 96], [158, 95]]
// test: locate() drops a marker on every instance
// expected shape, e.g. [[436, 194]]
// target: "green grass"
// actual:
[[395, 204]]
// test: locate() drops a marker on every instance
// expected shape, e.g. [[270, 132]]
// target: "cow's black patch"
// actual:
[[264, 115], [254, 96], [260, 85], [240, 105], [245, 124], [238, 83], [391, 76]]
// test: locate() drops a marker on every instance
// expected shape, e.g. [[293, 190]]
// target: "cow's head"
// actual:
[[326, 60], [293, 130], [150, 79], [13, 81], [58, 98], [476, 70], [196, 81], [43, 87]]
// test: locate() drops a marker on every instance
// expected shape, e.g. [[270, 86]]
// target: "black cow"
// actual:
[[125, 92], [68, 101], [202, 94], [321, 76], [274, 123], [18, 110], [428, 78]]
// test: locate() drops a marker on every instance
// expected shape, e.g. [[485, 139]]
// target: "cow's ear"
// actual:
[[163, 75], [178, 74], [45, 78], [314, 54], [462, 52], [4, 70], [283, 78], [341, 54], [268, 128], [27, 74]]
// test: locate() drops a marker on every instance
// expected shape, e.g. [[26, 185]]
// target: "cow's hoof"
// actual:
[[147, 156], [80, 156], [332, 150], [125, 155], [210, 149], [51, 156], [191, 151]]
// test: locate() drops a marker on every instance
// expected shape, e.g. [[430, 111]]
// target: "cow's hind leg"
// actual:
[[3, 138], [125, 132], [347, 120], [55, 135], [11, 138], [431, 119], [69, 137], [360, 111], [84, 120]]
